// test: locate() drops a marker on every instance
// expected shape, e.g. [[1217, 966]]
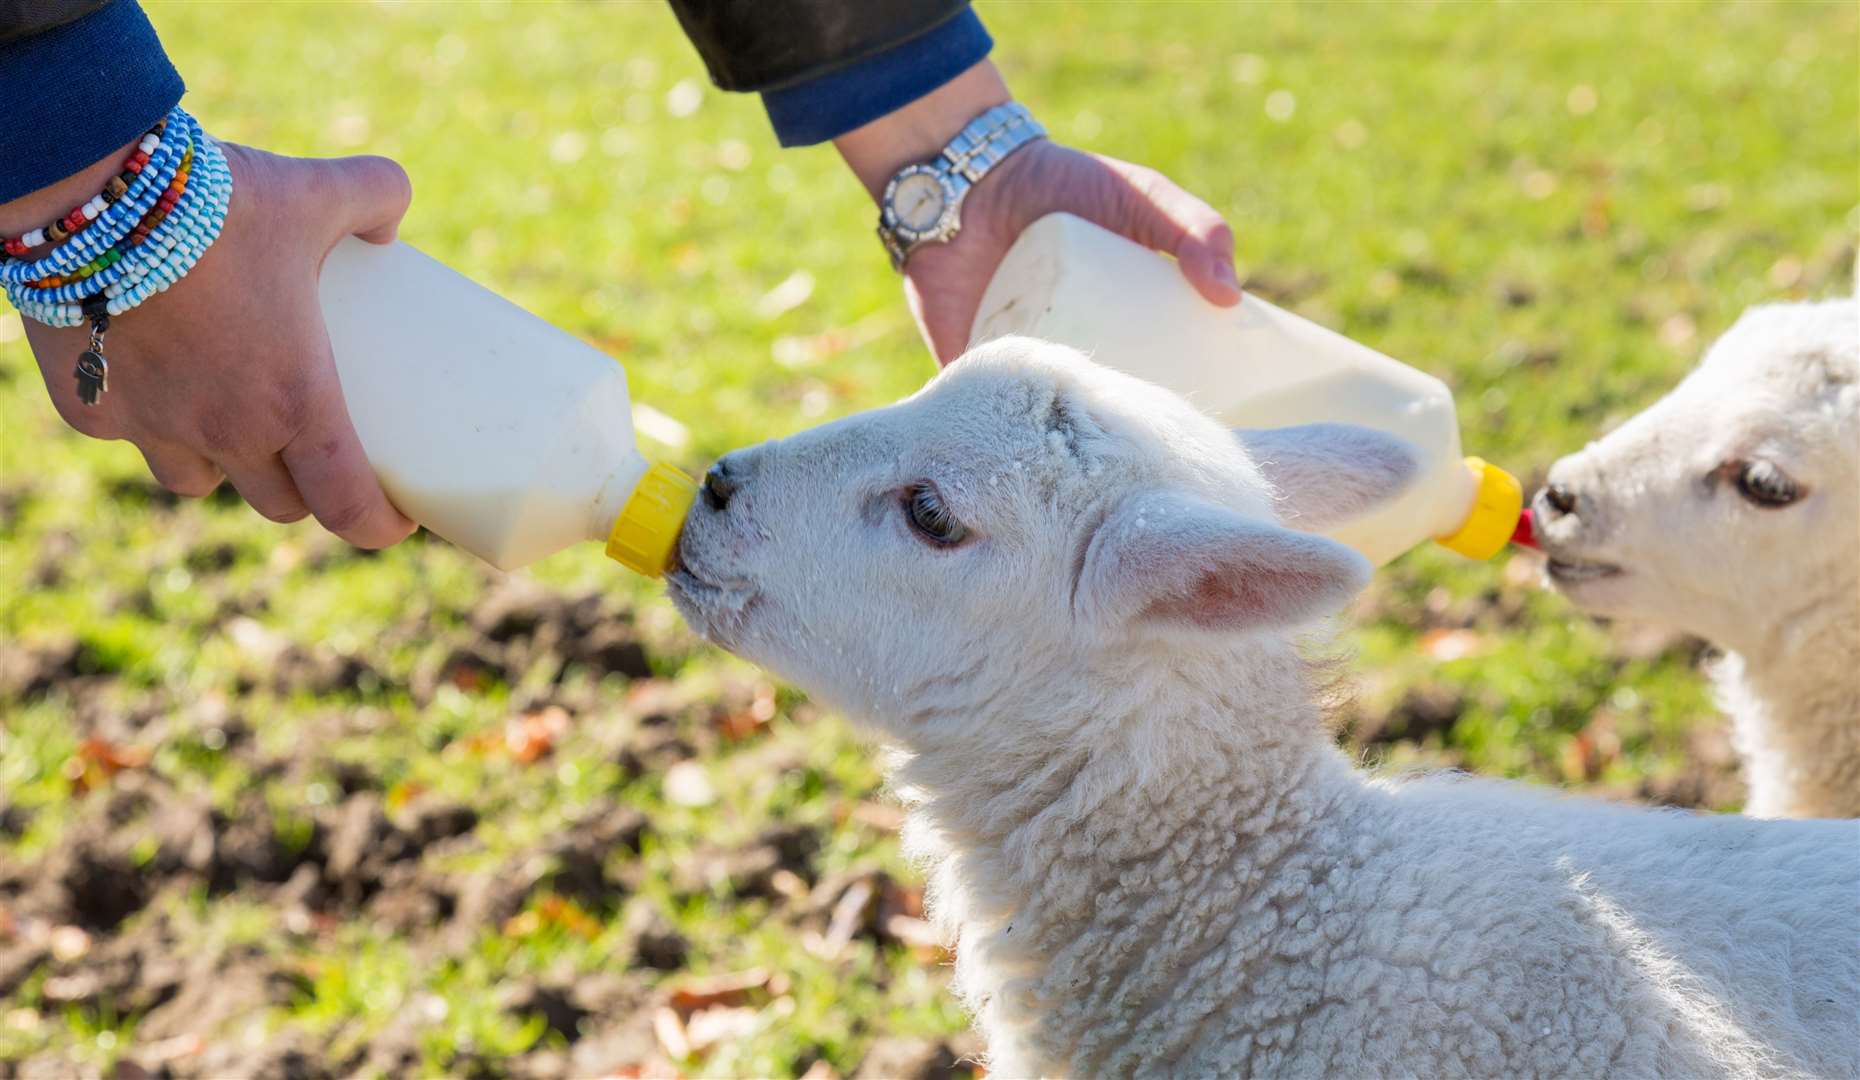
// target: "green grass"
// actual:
[[1553, 206]]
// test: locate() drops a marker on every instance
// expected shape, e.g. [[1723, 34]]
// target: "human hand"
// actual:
[[944, 283], [229, 373]]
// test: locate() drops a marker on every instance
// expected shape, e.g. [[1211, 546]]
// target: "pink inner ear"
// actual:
[[1225, 601]]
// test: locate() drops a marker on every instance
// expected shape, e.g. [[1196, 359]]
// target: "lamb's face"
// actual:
[[1024, 510], [1734, 499]]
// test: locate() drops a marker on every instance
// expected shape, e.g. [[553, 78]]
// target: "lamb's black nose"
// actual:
[[1560, 499], [719, 485]]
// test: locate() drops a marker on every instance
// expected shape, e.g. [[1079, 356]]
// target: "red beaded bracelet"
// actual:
[[62, 229], [163, 206]]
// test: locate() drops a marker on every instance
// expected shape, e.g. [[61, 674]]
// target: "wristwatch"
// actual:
[[922, 204]]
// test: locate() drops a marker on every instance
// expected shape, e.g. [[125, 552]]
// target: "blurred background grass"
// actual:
[[1553, 206]]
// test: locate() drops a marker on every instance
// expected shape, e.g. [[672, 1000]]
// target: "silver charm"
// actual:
[[93, 371]]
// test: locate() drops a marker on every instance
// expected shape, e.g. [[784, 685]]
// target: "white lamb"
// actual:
[[1063, 595], [1731, 510]]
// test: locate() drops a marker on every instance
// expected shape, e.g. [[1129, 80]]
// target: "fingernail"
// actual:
[[1224, 273]]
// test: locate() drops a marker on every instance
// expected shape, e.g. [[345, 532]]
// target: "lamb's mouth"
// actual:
[[714, 610], [687, 585], [1576, 571]]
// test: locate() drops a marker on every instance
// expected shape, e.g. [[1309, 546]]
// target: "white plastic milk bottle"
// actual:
[[487, 425], [1254, 365]]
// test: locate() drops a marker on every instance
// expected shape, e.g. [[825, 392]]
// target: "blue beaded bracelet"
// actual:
[[175, 245], [183, 248], [204, 177], [120, 217], [208, 175], [115, 270]]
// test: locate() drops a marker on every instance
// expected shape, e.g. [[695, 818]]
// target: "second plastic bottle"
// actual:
[[1251, 366]]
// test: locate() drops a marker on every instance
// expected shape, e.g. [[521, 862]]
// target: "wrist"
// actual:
[[918, 131], [35, 208]]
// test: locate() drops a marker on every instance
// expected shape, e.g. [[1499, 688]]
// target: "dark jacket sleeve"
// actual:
[[74, 90], [766, 45]]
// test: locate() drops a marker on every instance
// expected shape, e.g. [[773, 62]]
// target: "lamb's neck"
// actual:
[[1129, 731], [1120, 854], [1794, 699]]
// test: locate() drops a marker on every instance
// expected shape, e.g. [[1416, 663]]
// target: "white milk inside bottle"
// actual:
[[1252, 366], [487, 425]]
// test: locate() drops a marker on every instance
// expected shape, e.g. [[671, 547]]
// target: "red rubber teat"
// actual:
[[1525, 535]]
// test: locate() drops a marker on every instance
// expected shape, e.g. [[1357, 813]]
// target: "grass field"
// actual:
[[271, 805]]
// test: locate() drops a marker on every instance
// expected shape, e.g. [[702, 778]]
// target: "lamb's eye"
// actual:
[[930, 516], [1765, 485]]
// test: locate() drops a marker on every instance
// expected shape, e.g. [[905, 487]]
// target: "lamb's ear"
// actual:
[[1326, 474], [1176, 559]]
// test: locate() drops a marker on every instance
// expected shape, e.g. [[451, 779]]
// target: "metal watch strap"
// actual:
[[990, 137], [982, 144]]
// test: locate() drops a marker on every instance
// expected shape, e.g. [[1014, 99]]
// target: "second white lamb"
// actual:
[[1730, 509]]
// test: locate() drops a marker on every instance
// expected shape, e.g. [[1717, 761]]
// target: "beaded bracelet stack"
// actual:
[[62, 228], [141, 234]]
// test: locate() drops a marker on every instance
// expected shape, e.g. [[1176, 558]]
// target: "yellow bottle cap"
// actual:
[[646, 531], [1494, 517]]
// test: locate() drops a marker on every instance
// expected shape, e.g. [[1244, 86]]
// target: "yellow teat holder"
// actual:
[[1494, 517], [646, 532]]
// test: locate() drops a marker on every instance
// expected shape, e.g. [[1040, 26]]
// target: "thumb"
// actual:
[[368, 194], [1156, 213]]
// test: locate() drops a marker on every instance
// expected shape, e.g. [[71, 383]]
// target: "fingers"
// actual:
[[369, 194], [333, 476], [179, 469], [266, 486], [1163, 217], [1206, 255]]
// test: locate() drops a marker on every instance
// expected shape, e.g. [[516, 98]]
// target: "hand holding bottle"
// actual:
[[944, 282], [228, 374]]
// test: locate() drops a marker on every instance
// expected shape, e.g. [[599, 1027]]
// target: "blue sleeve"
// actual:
[[841, 100], [79, 92]]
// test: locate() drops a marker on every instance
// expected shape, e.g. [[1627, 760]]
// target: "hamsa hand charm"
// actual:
[[93, 371], [93, 376]]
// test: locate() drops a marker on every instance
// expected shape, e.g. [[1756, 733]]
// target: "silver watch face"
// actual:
[[917, 200]]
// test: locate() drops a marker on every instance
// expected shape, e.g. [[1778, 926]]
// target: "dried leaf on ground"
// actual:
[[1590, 751], [719, 1024], [848, 915], [727, 988], [687, 784], [883, 817], [69, 943], [652, 1070], [736, 725], [553, 912], [669, 1028], [1444, 645], [533, 734], [173, 1049], [914, 932], [97, 759]]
